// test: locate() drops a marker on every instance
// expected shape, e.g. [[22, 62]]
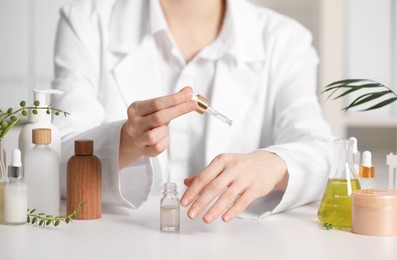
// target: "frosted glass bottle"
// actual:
[[15, 193], [40, 120], [42, 174], [169, 208]]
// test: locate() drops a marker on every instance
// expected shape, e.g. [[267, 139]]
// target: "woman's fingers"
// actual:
[[146, 127], [163, 117], [188, 181], [209, 193], [152, 136], [233, 181], [203, 179], [225, 200], [241, 203], [148, 107]]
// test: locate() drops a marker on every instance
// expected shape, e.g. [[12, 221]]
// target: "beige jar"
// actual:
[[374, 212]]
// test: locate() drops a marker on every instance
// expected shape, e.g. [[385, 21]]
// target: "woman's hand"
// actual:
[[238, 179], [145, 131]]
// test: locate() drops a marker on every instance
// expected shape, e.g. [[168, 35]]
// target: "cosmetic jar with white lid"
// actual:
[[374, 212]]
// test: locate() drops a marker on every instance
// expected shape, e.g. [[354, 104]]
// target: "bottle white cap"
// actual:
[[367, 159], [40, 95], [355, 150]]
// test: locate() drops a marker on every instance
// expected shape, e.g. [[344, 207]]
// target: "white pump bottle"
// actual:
[[40, 120]]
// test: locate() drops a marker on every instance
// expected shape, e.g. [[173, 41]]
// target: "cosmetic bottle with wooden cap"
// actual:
[[42, 174], [84, 181]]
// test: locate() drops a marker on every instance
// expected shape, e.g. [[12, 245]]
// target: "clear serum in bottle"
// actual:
[[15, 193], [170, 208]]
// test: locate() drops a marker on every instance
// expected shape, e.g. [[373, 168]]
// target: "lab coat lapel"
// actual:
[[131, 78], [238, 77], [235, 86], [131, 50]]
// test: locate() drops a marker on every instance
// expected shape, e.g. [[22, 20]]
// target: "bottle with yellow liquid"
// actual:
[[335, 207]]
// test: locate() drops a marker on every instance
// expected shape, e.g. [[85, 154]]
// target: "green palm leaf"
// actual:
[[382, 104], [352, 85]]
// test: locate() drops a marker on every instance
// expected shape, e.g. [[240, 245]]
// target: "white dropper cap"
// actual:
[[367, 159], [356, 153], [15, 170], [367, 170]]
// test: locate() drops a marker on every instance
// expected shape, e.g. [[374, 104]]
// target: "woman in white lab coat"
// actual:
[[124, 65]]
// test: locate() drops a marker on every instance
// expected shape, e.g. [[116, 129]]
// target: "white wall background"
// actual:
[[27, 31], [370, 54]]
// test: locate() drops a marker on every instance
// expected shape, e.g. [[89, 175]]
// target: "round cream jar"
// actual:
[[374, 212]]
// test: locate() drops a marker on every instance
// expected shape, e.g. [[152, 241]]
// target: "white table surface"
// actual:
[[135, 234]]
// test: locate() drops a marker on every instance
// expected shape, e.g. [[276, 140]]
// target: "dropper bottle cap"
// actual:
[[367, 170], [15, 170], [203, 106]]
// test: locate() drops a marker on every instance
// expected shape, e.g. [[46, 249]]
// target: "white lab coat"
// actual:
[[265, 81]]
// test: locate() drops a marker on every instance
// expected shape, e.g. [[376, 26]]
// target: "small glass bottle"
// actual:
[[170, 208], [15, 193], [335, 207], [367, 172]]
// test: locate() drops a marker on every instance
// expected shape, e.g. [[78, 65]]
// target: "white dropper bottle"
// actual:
[[367, 172], [356, 154], [15, 193], [41, 119]]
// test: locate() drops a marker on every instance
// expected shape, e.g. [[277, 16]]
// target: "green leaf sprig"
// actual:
[[43, 219], [11, 118], [380, 92], [328, 226]]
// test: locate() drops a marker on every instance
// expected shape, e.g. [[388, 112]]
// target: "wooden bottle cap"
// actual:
[[41, 136], [84, 147]]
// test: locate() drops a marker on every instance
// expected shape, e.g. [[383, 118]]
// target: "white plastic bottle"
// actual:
[[15, 193], [40, 120], [42, 174], [356, 154], [367, 172]]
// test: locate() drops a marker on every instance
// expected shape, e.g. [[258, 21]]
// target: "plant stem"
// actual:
[[43, 219]]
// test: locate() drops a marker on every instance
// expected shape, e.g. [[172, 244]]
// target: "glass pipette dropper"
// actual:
[[203, 106]]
